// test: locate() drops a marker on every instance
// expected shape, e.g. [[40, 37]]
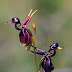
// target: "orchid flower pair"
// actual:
[[27, 39], [25, 34]]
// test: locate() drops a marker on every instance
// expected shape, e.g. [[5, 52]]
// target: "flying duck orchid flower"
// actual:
[[25, 34], [45, 61]]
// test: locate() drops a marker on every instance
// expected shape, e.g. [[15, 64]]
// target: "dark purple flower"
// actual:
[[45, 61], [25, 34]]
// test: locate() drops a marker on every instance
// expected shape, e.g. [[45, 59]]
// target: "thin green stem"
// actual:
[[34, 51]]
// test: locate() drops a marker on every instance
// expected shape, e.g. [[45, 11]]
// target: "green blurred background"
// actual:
[[53, 23]]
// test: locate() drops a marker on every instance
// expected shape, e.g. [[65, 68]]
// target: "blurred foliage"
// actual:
[[48, 6]]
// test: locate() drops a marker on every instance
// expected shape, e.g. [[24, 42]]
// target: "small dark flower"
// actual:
[[25, 34], [45, 61]]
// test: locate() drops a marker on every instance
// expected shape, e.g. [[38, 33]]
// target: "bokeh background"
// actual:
[[53, 23]]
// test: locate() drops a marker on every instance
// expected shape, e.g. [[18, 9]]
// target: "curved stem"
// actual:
[[53, 53], [18, 26], [34, 51]]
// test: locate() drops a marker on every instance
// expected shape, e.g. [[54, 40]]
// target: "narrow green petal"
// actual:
[[41, 61]]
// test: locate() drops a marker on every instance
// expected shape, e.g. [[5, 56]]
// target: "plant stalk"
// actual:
[[34, 51]]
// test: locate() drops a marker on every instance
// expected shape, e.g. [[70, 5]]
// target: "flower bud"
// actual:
[[34, 27]]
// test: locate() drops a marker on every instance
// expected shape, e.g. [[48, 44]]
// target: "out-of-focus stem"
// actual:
[[34, 48]]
